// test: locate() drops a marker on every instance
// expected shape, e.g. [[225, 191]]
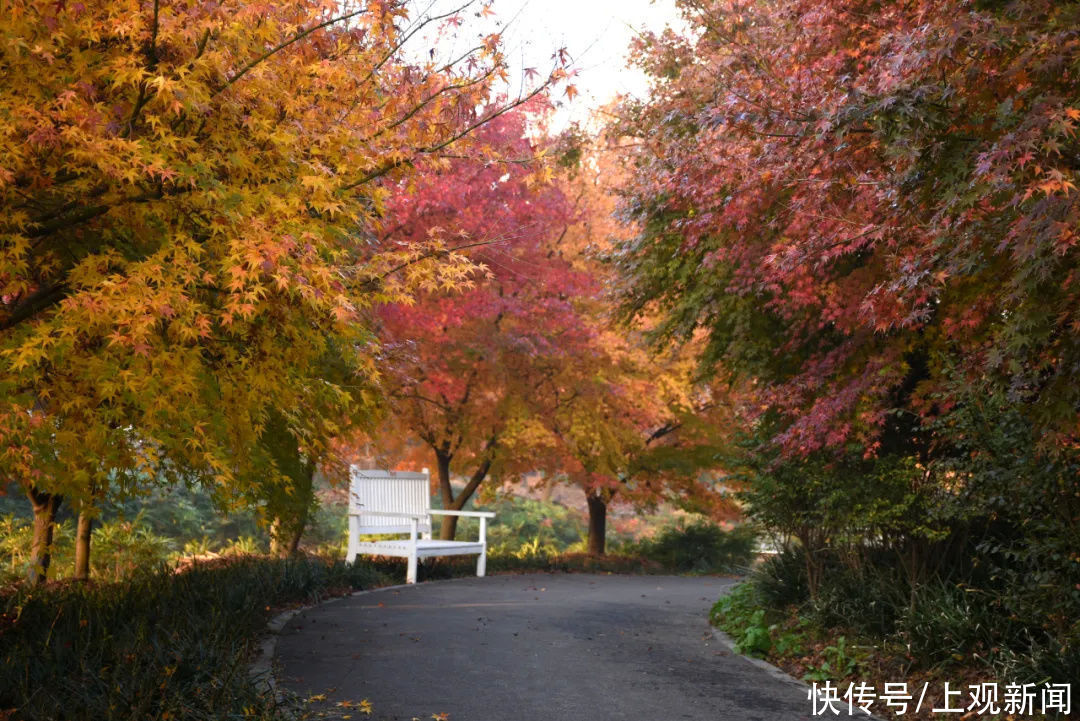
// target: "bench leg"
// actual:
[[351, 553], [410, 575], [481, 563]]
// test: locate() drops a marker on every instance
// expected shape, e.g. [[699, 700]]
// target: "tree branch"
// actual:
[[278, 48]]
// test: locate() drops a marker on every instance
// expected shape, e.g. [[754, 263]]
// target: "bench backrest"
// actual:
[[389, 492]]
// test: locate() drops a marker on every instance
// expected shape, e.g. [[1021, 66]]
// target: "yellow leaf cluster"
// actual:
[[192, 202]]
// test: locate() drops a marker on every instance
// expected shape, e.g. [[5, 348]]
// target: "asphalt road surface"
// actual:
[[539, 647]]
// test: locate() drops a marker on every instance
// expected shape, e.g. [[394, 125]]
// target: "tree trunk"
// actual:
[[277, 531], [448, 528], [83, 532], [45, 507], [289, 505], [597, 524], [293, 545], [448, 525], [286, 533]]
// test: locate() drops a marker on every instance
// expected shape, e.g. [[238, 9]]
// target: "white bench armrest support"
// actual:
[[481, 562]]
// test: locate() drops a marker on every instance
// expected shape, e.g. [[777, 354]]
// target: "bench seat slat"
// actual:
[[424, 549]]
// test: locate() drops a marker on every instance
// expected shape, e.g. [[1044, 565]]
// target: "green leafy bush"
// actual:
[[868, 599], [781, 579], [838, 663], [15, 537], [701, 547], [520, 521], [119, 548]]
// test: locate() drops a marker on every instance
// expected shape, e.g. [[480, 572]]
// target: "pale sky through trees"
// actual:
[[595, 33]]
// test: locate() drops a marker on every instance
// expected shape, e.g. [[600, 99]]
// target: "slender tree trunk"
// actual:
[[83, 532], [277, 531], [289, 506], [448, 525], [297, 534], [45, 507], [597, 523], [286, 533]]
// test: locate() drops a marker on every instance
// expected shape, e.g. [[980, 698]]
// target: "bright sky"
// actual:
[[595, 33]]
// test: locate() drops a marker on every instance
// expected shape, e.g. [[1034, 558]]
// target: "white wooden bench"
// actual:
[[399, 502]]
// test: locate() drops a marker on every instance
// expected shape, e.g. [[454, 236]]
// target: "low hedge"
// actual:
[[161, 644]]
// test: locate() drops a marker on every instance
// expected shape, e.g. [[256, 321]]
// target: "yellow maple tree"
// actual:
[[191, 195]]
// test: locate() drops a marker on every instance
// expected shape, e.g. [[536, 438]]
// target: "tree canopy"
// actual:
[[854, 202]]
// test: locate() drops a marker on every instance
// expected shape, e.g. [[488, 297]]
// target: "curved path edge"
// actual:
[[775, 671], [261, 668]]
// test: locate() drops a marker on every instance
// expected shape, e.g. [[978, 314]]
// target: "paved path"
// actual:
[[531, 648]]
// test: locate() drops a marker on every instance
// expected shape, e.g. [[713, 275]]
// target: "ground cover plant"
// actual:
[[158, 644]]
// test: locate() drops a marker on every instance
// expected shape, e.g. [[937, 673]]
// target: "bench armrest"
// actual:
[[389, 514], [470, 514]]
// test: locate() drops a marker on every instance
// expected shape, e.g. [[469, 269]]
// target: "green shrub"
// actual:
[[16, 532], [838, 663], [119, 548], [947, 622], [869, 600], [701, 547], [15, 538], [520, 521], [781, 579], [161, 644]]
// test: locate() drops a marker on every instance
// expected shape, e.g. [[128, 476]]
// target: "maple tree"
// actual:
[[463, 365], [840, 196], [627, 427], [192, 194], [523, 372], [869, 213], [627, 424]]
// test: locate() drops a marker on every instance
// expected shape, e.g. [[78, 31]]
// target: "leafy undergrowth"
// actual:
[[175, 643], [806, 649], [541, 562], [158, 645]]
